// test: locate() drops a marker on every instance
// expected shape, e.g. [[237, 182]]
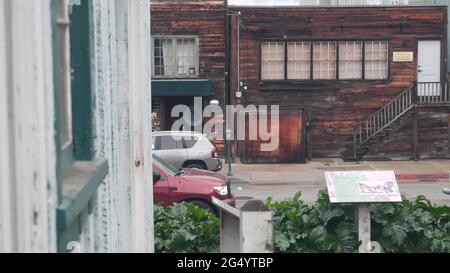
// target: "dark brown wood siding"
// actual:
[[291, 146], [205, 19], [334, 106]]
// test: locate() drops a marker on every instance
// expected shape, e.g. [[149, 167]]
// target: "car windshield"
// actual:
[[169, 168]]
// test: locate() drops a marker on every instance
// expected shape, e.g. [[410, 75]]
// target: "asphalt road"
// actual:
[[283, 181], [244, 191]]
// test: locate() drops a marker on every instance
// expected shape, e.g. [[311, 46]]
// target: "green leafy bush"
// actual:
[[186, 228], [321, 227], [410, 226]]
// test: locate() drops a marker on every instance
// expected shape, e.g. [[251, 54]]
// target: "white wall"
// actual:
[[123, 218], [27, 157], [121, 84]]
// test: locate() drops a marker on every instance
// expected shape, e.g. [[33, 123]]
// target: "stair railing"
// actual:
[[381, 119], [432, 93]]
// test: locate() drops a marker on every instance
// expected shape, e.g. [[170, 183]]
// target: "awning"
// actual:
[[178, 88]]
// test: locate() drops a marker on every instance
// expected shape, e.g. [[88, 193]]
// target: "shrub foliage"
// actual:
[[186, 228], [410, 226]]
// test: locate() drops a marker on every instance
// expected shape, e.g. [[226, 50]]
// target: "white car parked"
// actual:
[[186, 150]]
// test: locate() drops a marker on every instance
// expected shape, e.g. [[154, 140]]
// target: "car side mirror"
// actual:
[[156, 178]]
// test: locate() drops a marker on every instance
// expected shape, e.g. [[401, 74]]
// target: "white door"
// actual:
[[429, 68]]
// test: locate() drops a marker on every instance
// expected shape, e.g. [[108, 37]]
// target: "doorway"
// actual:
[[429, 67]]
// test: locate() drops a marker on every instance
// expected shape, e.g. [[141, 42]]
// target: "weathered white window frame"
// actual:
[[174, 67]]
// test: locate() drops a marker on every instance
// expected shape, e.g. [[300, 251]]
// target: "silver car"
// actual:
[[186, 150]]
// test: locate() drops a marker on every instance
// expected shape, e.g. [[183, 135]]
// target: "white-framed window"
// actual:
[[64, 88], [355, 60], [324, 60], [272, 60], [350, 60], [376, 60], [175, 57], [299, 61]]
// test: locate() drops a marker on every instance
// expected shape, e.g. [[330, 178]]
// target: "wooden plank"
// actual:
[[140, 126]]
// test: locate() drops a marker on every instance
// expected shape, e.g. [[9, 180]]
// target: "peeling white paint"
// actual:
[[28, 173], [121, 205], [123, 216]]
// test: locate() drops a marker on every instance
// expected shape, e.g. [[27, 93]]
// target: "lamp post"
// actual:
[[228, 133]]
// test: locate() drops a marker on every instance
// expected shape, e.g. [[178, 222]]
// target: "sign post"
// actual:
[[363, 222], [363, 188]]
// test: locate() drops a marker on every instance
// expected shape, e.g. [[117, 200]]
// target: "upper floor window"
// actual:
[[325, 60], [272, 61], [376, 66], [350, 60], [175, 57], [299, 60]]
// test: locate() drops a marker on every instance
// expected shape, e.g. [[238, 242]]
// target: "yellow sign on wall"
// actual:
[[403, 56]]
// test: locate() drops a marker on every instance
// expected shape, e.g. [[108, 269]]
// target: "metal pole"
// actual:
[[228, 136], [228, 141], [238, 29]]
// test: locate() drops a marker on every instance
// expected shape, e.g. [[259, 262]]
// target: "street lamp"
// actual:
[[228, 133]]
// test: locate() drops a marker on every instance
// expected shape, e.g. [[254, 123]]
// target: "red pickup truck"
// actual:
[[188, 185]]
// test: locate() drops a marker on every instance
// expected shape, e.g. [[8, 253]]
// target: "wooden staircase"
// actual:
[[370, 132]]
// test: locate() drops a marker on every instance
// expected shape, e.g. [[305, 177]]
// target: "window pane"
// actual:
[[324, 61], [170, 143], [350, 60], [376, 60], [272, 61], [163, 57], [190, 141], [299, 60], [186, 64]]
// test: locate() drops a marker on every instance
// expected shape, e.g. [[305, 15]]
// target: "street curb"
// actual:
[[422, 176]]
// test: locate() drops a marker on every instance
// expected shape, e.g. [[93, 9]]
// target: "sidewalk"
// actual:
[[313, 171]]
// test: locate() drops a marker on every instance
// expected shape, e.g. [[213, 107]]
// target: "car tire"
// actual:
[[197, 165], [204, 205]]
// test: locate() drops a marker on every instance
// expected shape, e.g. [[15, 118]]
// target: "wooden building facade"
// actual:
[[372, 79], [188, 39]]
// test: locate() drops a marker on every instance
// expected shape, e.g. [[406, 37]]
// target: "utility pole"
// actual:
[[229, 131]]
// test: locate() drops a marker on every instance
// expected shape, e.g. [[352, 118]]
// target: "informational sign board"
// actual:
[[363, 187], [403, 56]]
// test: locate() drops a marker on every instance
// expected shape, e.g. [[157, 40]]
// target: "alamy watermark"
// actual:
[[232, 121]]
